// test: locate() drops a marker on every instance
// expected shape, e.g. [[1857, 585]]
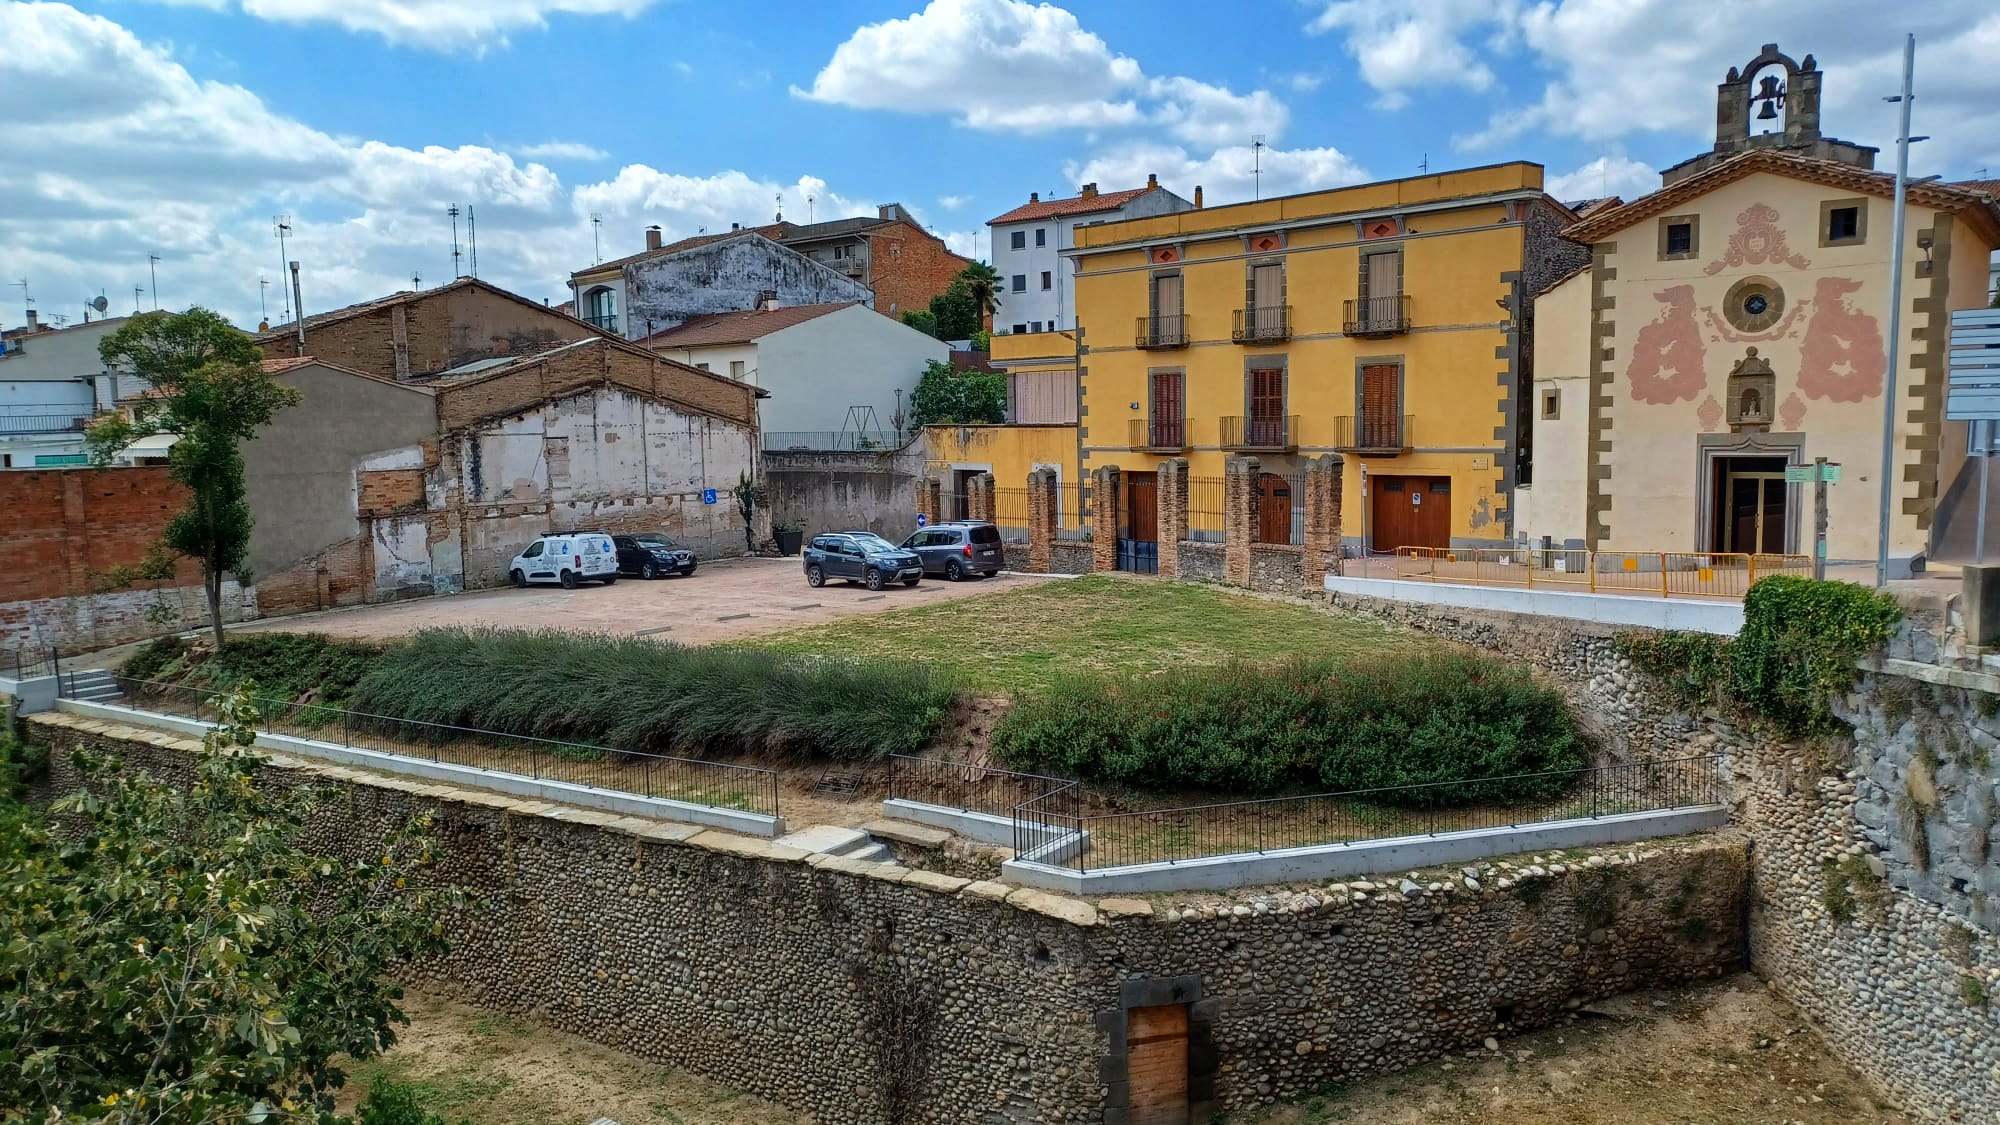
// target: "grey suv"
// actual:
[[959, 549], [860, 556]]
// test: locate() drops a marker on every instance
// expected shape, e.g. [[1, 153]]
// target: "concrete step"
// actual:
[[827, 839], [907, 832], [873, 853], [97, 694]]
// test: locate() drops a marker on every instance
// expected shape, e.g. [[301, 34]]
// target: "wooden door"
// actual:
[[1266, 424], [1142, 513], [1381, 422], [1410, 512], [1156, 1053], [1169, 412], [1274, 509]]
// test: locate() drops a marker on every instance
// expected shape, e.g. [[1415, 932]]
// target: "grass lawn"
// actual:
[[1015, 640]]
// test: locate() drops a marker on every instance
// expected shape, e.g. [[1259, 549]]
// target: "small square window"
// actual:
[[1020, 329], [1680, 238], [702, 366], [1041, 236], [1018, 240], [1045, 280], [1034, 326], [1020, 283], [1843, 223], [1552, 403]]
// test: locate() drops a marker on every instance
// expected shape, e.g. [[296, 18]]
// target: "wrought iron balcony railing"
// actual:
[[1260, 433], [1159, 435], [1262, 324], [1162, 331], [1374, 433], [1377, 316]]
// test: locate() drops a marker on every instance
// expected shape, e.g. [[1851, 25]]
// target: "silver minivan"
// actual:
[[585, 556]]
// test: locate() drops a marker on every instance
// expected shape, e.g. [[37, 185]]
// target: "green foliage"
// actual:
[[954, 315], [211, 391], [1836, 895], [1797, 649], [749, 497], [641, 695], [1372, 723], [1972, 991], [923, 321], [177, 954], [155, 658], [982, 341], [393, 1103], [945, 396], [284, 665]]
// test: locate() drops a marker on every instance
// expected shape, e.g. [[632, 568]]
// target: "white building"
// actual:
[[52, 383], [1037, 286], [835, 373]]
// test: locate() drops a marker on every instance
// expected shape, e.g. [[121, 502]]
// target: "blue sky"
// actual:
[[181, 126]]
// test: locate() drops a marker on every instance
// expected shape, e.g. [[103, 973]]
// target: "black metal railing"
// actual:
[[29, 662], [832, 441], [1159, 433], [1162, 331], [1262, 323], [66, 422], [608, 322], [1377, 316], [720, 785], [1260, 431], [1173, 835], [961, 785], [1374, 433]]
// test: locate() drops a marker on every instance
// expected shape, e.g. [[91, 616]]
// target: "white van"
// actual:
[[568, 559]]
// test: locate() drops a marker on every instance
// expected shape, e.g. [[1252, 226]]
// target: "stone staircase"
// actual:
[[830, 839], [98, 686]]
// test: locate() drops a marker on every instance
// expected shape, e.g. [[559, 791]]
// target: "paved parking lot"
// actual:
[[724, 600]]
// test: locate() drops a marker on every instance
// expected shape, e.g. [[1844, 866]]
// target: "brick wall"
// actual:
[[1105, 496], [441, 328], [526, 386], [909, 266]]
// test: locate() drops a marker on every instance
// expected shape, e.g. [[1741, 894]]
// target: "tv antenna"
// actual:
[[153, 271], [263, 298], [1256, 166], [809, 207], [27, 300], [596, 224], [472, 237], [282, 224], [456, 273], [1424, 165], [138, 291], [781, 208]]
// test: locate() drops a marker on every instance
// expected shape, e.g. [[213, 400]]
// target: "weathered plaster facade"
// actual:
[[727, 275]]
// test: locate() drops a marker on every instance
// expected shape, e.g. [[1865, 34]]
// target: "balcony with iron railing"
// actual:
[[1159, 435], [1260, 433], [45, 420], [1262, 324], [1374, 433], [1377, 316], [1162, 331], [607, 322]]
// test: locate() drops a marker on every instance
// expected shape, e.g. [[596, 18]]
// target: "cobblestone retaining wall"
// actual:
[[816, 981]]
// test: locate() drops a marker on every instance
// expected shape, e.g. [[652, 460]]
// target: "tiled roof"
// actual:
[[335, 316], [1846, 177], [1984, 187], [739, 327], [279, 366], [1074, 205]]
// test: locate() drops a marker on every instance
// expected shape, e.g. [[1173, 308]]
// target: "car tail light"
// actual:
[[968, 550]]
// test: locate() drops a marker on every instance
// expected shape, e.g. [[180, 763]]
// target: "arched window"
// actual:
[[600, 307]]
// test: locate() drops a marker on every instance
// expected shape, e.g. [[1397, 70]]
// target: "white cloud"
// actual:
[[1610, 174], [1227, 175], [951, 202], [963, 243], [1202, 114], [442, 25], [1401, 45], [134, 155], [1305, 83], [560, 150]]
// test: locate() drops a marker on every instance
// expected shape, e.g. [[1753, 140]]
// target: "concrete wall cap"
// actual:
[[1074, 911]]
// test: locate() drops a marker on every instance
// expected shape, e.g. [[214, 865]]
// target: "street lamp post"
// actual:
[[1888, 483]]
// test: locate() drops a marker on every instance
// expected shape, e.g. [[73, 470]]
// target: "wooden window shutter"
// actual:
[[1381, 424], [1169, 412]]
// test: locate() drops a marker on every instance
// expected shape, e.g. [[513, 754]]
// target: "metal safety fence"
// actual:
[[965, 786], [1660, 573]]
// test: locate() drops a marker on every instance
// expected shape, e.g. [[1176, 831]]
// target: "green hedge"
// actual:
[[1312, 723], [284, 665], [663, 698]]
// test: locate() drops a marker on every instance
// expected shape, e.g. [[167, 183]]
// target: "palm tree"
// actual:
[[982, 284]]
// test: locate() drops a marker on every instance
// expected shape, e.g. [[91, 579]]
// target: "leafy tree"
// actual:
[[176, 954], [922, 320], [954, 313], [211, 390], [945, 396], [982, 284], [982, 341]]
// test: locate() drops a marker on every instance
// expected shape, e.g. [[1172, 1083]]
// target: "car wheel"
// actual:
[[648, 571], [520, 580], [911, 581], [610, 579], [815, 577], [873, 580], [569, 579], [953, 572], [688, 571]]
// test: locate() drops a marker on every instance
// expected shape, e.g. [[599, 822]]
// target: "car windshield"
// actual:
[[869, 543], [652, 541]]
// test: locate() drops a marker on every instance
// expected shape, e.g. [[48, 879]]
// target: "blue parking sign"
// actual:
[[923, 520], [708, 496]]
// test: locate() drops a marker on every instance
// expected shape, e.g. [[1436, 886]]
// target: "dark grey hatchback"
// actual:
[[860, 556], [959, 549]]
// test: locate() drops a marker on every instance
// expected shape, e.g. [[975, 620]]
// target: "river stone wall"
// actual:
[[870, 993], [1874, 867]]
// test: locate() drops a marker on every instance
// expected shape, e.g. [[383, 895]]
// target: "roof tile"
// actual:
[[1074, 205]]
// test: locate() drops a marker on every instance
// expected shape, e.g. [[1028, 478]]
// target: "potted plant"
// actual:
[[787, 535]]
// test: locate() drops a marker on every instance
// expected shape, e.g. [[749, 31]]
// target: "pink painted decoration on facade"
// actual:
[[1726, 332], [1792, 412], [1758, 240], [1842, 359], [1710, 413], [1667, 357]]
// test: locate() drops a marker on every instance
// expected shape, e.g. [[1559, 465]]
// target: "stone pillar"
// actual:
[[930, 500], [979, 498], [1322, 549], [1043, 496], [1104, 488], [1239, 517], [1172, 501]]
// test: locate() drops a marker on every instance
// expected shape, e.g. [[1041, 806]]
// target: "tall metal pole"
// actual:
[[1895, 313], [298, 300], [1985, 476], [153, 271], [1819, 517]]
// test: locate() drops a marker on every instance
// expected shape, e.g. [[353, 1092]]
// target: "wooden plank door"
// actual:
[[1389, 514], [1156, 1053], [1381, 422], [1266, 425], [1142, 513], [1274, 509], [1169, 411], [1431, 511]]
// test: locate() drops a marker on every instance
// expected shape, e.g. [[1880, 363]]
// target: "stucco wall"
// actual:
[[846, 491], [817, 369], [727, 276], [1562, 365]]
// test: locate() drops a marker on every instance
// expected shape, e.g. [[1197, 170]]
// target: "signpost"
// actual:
[[1819, 474], [1972, 394], [708, 496], [923, 520]]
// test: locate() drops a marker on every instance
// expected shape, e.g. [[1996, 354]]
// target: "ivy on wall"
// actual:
[[1796, 651]]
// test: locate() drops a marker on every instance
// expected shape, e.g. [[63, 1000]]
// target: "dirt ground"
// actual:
[[1724, 1053]]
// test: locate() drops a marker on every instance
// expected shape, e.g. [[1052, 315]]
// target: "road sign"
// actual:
[[1798, 474], [923, 520], [1972, 390], [708, 496], [1829, 471]]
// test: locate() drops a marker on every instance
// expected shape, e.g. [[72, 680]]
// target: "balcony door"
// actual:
[[1167, 298], [1267, 301], [1169, 411], [1266, 425], [1381, 406]]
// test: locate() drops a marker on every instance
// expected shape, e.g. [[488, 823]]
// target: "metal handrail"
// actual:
[[1158, 433], [961, 785], [1161, 331], [1668, 574], [1262, 322]]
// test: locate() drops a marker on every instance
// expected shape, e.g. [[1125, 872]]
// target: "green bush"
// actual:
[[153, 660], [641, 695], [1325, 724], [393, 1103], [284, 665]]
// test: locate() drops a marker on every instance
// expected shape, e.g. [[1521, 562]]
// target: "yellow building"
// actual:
[[1391, 322], [1733, 323]]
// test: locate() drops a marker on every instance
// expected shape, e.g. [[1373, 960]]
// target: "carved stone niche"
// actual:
[[1752, 400]]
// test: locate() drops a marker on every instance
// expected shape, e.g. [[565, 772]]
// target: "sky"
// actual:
[[183, 128]]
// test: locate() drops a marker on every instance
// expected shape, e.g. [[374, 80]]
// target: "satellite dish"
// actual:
[[99, 303]]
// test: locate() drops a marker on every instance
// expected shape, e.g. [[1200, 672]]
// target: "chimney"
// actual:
[[1034, 197], [767, 300], [653, 237], [1089, 191], [34, 321], [1197, 197], [736, 226], [1152, 180]]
